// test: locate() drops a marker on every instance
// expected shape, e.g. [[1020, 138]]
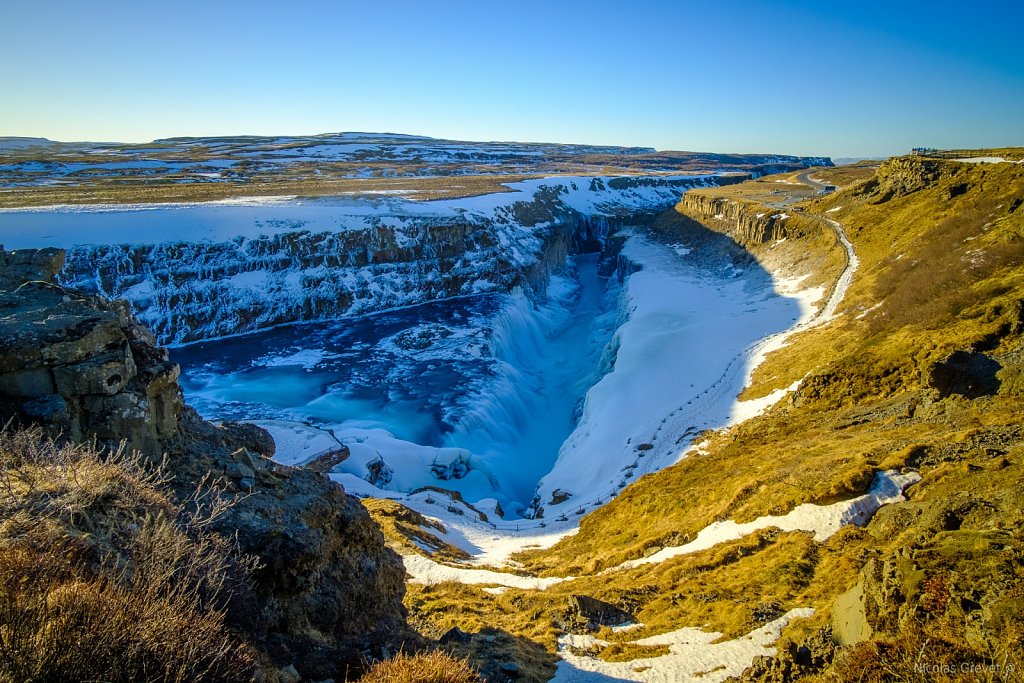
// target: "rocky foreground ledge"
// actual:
[[327, 593]]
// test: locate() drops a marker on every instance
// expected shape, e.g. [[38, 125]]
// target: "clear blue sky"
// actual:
[[857, 78]]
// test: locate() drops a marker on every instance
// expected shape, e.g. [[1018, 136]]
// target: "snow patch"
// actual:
[[694, 655], [298, 444], [987, 160], [822, 520], [427, 572]]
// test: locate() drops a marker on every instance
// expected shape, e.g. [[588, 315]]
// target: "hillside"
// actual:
[[917, 372]]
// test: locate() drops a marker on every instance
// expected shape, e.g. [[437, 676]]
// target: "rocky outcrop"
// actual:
[[594, 613], [327, 593], [793, 660], [955, 560], [967, 373], [900, 176], [79, 364], [749, 223]]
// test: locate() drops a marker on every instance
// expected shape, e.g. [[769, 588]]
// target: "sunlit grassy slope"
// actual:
[[921, 369]]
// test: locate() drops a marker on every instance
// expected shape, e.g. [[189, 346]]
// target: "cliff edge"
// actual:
[[319, 593]]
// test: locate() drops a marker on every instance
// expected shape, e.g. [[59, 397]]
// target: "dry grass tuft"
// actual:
[[409, 531], [628, 652], [429, 667], [104, 577]]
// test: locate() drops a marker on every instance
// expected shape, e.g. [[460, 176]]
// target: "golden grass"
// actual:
[[434, 666], [768, 190], [720, 588], [847, 176], [103, 577], [627, 652], [408, 531]]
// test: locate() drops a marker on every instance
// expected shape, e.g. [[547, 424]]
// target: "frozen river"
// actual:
[[492, 384]]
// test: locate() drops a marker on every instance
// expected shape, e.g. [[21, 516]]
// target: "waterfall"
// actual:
[[547, 357]]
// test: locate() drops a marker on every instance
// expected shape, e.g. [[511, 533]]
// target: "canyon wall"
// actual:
[[190, 290], [751, 223], [787, 242]]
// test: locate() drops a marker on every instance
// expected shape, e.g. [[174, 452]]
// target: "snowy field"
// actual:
[[101, 224]]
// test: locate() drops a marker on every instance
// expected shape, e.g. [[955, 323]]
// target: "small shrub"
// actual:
[[103, 576], [935, 596]]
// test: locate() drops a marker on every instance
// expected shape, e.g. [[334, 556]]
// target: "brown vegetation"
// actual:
[[104, 577], [435, 666]]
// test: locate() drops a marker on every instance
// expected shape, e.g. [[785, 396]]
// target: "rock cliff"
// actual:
[[900, 176], [80, 364], [788, 242], [327, 593], [752, 223], [199, 289]]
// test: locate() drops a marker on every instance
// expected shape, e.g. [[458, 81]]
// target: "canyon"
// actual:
[[631, 427], [547, 271]]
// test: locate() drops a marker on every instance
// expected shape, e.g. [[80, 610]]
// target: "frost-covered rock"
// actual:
[[200, 272]]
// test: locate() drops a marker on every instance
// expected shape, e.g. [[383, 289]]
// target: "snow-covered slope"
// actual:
[[680, 355]]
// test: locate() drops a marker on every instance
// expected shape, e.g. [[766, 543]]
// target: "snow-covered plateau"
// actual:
[[39, 163], [524, 354]]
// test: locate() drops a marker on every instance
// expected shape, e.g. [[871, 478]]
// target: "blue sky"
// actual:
[[836, 78]]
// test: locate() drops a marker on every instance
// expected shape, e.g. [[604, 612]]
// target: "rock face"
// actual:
[[186, 291], [900, 176], [327, 593], [753, 224], [78, 364], [328, 590], [968, 373], [597, 613], [190, 290]]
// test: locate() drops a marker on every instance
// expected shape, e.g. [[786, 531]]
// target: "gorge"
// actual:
[[635, 427], [481, 345]]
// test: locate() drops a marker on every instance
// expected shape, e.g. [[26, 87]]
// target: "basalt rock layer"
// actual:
[[189, 290]]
